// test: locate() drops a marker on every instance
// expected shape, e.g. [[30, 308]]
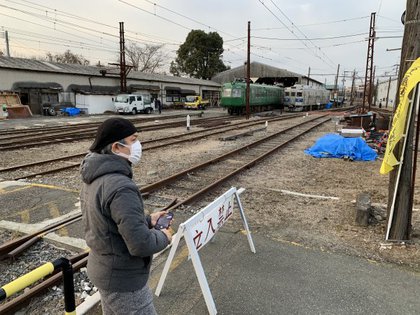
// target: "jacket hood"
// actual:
[[95, 165]]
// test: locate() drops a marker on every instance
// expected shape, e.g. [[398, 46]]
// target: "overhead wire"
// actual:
[[314, 24], [294, 34], [304, 35], [79, 18], [310, 39]]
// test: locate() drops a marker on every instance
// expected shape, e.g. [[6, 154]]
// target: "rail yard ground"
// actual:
[[275, 214]]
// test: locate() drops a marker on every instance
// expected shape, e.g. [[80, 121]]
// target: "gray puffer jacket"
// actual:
[[118, 233]]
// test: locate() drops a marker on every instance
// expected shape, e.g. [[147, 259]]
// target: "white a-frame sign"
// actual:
[[199, 230]]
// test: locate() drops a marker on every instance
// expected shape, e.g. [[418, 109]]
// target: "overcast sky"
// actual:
[[292, 35]]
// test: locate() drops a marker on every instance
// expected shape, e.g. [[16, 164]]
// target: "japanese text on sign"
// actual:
[[203, 231]]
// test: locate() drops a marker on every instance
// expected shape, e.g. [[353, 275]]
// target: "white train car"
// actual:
[[303, 97]]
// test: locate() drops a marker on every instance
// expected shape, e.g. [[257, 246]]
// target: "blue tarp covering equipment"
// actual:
[[336, 146], [71, 111]]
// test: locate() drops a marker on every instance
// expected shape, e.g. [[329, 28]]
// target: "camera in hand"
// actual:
[[164, 221]]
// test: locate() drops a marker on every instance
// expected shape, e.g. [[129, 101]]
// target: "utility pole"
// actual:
[[343, 81], [352, 87], [376, 92], [123, 76], [373, 88], [248, 70], [309, 73], [367, 90], [399, 223], [387, 92], [6, 36], [335, 96]]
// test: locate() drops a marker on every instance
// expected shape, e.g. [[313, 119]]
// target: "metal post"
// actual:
[[6, 36], [123, 77], [248, 71], [369, 63], [352, 87], [35, 275], [309, 73], [387, 92], [69, 302], [335, 93]]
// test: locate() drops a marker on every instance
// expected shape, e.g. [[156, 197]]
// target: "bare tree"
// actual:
[[149, 58], [68, 57]]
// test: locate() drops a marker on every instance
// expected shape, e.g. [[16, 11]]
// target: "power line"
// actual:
[[304, 43], [313, 24], [76, 17], [310, 39], [188, 18]]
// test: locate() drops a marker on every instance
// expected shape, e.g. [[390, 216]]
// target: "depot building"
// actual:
[[92, 88]]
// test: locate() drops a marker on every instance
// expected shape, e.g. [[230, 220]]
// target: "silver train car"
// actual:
[[303, 98]]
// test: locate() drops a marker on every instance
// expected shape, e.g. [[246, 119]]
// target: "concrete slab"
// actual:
[[29, 207], [34, 203]]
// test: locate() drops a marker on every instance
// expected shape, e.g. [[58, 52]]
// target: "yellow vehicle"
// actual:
[[195, 102]]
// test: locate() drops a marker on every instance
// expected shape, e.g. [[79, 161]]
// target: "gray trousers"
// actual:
[[138, 302]]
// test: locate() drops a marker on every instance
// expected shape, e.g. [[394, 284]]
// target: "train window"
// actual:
[[286, 93], [299, 94], [236, 93], [292, 94], [227, 92]]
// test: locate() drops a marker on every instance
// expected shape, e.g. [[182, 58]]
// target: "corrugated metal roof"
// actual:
[[53, 67], [257, 70]]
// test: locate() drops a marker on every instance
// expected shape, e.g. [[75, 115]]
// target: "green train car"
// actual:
[[262, 97]]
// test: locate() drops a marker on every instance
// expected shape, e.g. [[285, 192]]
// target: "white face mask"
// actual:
[[135, 152]]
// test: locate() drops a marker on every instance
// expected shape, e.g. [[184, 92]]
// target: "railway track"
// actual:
[[72, 161], [20, 141], [190, 184], [75, 126]]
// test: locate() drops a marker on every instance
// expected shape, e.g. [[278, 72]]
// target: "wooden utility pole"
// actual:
[[400, 223], [248, 70]]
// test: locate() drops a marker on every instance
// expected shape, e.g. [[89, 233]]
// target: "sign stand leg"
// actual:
[[199, 271], [241, 211], [170, 258]]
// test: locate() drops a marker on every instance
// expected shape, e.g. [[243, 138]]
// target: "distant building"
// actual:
[[386, 93], [92, 88], [261, 73]]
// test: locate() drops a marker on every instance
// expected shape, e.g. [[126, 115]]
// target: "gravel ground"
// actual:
[[324, 224]]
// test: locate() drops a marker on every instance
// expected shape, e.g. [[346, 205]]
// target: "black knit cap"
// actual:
[[112, 130]]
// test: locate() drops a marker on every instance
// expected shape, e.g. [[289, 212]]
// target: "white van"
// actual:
[[134, 103]]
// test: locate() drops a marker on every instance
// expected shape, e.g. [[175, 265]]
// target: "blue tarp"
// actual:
[[336, 146], [71, 111], [329, 105]]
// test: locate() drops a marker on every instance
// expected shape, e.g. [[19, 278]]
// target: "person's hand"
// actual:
[[168, 233], [155, 216]]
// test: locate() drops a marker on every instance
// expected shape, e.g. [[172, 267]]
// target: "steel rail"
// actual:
[[88, 124], [6, 247], [156, 185], [206, 131], [70, 136], [17, 302]]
